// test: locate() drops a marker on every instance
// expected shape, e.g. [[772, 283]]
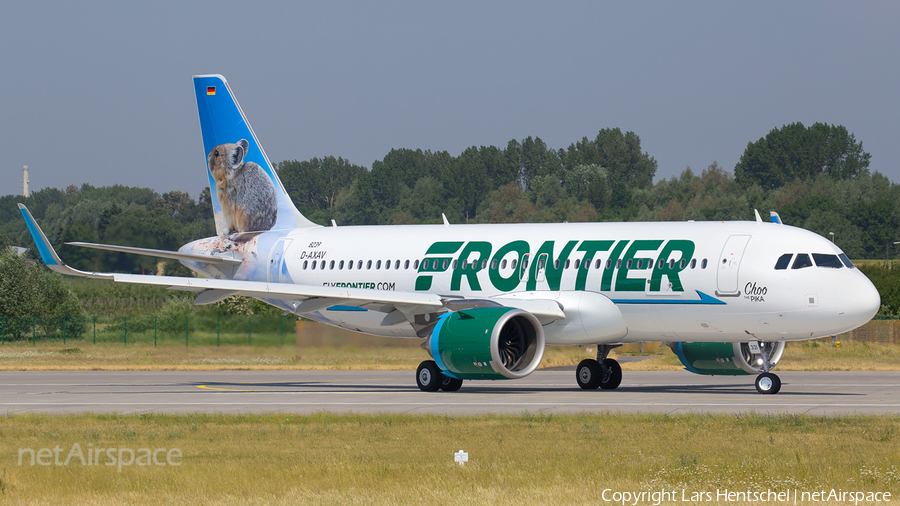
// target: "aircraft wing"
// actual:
[[307, 298], [260, 289]]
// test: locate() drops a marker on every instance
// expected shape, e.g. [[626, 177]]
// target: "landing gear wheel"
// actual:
[[428, 376], [449, 384], [588, 374], [610, 374], [768, 383]]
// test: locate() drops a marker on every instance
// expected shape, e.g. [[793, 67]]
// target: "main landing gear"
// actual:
[[430, 378], [602, 373]]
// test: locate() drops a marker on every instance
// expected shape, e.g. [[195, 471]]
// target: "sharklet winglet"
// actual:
[[48, 254]]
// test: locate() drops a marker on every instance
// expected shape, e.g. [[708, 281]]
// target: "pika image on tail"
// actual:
[[245, 191]]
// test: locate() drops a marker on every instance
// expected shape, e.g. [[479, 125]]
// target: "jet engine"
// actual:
[[487, 343], [727, 359]]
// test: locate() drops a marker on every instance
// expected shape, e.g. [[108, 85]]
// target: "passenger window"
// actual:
[[350, 265], [484, 263], [577, 263], [359, 264], [455, 264], [846, 260], [802, 261], [514, 262], [415, 264], [597, 264], [369, 264], [502, 263], [703, 264], [378, 264], [693, 263], [823, 260], [567, 264], [397, 264], [331, 266], [305, 263], [446, 263], [314, 264], [783, 261], [341, 265], [682, 264]]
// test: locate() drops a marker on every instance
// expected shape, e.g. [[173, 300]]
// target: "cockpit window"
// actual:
[[846, 261], [783, 261], [823, 260], [802, 261]]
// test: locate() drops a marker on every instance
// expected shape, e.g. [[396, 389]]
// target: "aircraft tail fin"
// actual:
[[247, 195]]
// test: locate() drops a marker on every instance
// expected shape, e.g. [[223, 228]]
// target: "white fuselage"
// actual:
[[704, 281]]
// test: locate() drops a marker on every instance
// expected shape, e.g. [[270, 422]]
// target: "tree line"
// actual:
[[816, 177]]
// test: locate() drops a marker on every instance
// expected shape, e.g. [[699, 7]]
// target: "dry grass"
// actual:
[[386, 354], [402, 459]]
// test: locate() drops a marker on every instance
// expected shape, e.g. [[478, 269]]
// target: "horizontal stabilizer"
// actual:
[[177, 255]]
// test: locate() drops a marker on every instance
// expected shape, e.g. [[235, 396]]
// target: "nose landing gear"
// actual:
[[768, 383]]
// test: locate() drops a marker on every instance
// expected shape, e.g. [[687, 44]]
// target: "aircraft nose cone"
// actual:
[[864, 300]]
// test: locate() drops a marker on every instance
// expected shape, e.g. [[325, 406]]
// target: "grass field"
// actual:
[[403, 459]]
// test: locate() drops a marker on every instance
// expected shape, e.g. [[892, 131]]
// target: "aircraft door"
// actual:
[[541, 273], [277, 268], [729, 265], [523, 267]]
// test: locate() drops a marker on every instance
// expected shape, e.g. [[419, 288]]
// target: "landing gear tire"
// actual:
[[768, 383], [610, 374], [588, 374], [428, 376], [449, 384]]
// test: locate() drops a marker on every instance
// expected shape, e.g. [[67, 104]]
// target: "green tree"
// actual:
[[795, 152], [28, 290]]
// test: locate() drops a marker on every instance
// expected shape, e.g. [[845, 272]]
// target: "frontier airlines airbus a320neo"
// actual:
[[486, 299]]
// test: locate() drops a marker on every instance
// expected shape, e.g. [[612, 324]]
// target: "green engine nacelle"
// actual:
[[724, 359], [487, 343]]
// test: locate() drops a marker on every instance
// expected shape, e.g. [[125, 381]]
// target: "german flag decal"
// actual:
[[210, 90]]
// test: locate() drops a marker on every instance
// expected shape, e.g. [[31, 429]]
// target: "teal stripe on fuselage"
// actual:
[[704, 299]]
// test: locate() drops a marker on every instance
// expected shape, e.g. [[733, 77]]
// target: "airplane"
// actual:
[[485, 299]]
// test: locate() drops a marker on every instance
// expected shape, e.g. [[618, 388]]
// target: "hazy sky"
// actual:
[[100, 92]]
